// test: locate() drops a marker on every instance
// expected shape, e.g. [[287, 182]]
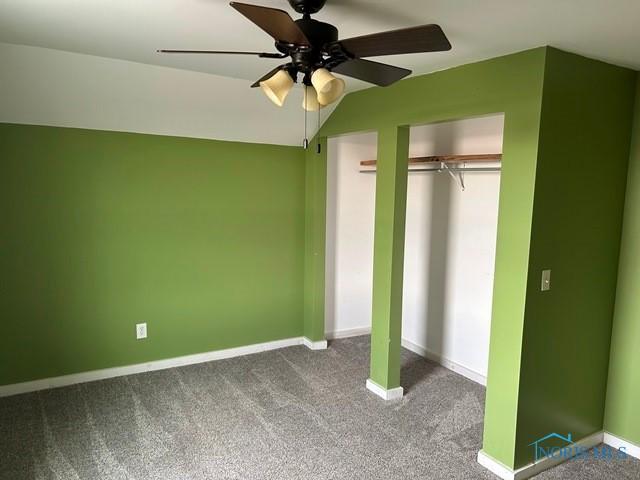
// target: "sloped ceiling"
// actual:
[[132, 30], [52, 87]]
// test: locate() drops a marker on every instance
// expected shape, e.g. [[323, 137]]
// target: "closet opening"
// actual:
[[450, 239]]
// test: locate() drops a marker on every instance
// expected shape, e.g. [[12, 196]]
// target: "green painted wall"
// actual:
[[513, 85], [315, 238], [623, 394], [203, 240], [577, 217]]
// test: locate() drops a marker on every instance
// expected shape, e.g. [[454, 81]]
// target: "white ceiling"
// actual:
[[134, 29]]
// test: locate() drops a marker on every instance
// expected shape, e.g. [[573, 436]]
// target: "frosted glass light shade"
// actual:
[[329, 87], [277, 87], [310, 100]]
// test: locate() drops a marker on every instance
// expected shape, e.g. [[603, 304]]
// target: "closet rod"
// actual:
[[483, 157], [452, 169]]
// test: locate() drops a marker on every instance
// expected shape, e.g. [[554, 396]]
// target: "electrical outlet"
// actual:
[[546, 280], [141, 331]]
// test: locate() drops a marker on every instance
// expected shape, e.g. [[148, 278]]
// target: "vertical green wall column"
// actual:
[[315, 235], [586, 117], [388, 255], [623, 392]]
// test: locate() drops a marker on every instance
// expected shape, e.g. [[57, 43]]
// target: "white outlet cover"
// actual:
[[141, 331]]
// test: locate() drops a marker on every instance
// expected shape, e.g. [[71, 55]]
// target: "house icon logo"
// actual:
[[553, 445]]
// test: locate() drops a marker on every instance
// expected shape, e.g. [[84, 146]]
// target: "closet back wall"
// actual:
[[203, 240], [449, 245]]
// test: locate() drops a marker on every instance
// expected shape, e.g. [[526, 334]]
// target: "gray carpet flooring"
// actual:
[[285, 414]]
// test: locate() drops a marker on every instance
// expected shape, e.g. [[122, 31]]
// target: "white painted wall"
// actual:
[[449, 248], [50, 87], [349, 249]]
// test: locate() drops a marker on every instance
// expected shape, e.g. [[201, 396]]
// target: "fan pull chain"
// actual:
[[305, 142], [318, 149]]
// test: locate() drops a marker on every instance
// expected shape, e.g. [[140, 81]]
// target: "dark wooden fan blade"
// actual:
[[426, 38], [225, 52], [276, 23], [373, 72], [267, 76]]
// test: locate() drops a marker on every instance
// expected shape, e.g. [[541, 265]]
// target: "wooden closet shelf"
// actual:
[[485, 157]]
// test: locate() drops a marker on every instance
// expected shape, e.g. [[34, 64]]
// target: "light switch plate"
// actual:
[[546, 280], [141, 331]]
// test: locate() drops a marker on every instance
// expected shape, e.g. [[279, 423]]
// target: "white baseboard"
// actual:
[[495, 466], [418, 349], [445, 362], [348, 332], [532, 469], [616, 442], [319, 345], [391, 394], [66, 380]]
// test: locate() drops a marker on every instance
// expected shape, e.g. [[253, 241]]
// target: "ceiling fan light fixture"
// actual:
[[277, 87], [316, 51], [328, 86], [310, 99]]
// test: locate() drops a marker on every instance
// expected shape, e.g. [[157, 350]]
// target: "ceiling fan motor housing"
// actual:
[[307, 58], [318, 33], [307, 7]]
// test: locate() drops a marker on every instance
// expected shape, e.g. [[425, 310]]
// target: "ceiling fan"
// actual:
[[315, 52]]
